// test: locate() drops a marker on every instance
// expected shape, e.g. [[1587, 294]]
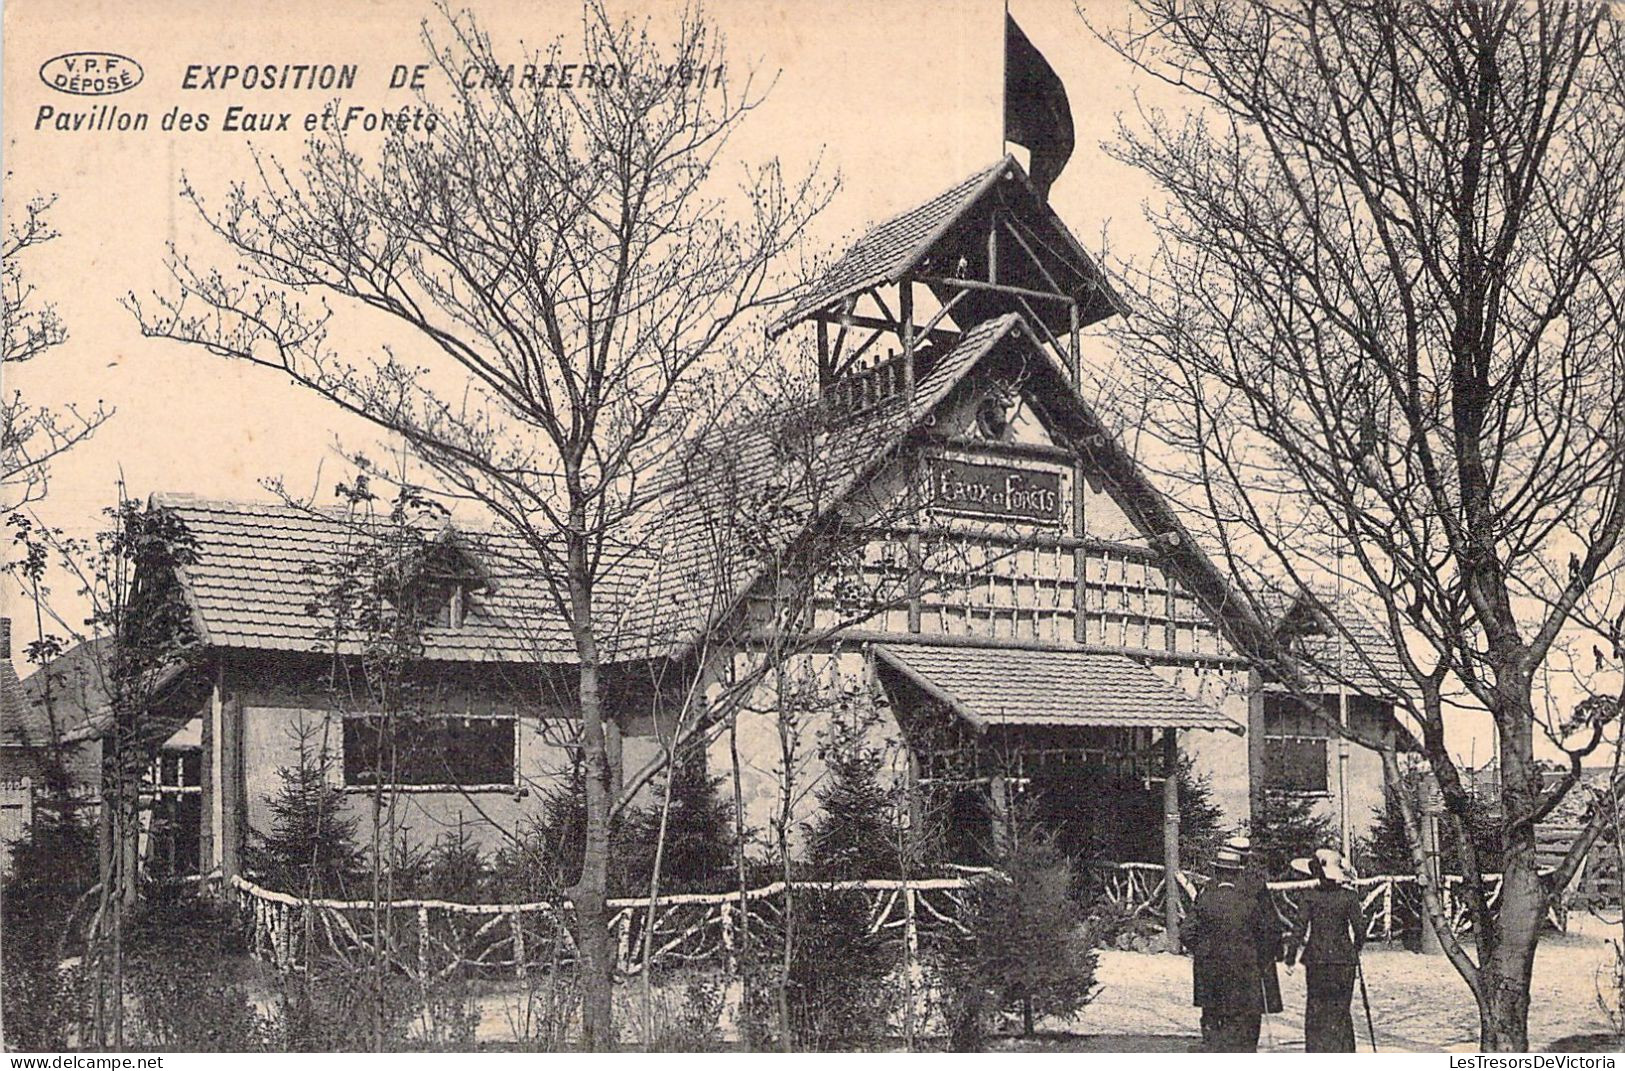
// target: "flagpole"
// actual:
[[1004, 79]]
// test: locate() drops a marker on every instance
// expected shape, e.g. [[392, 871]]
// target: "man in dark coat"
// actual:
[[1254, 881], [1229, 937]]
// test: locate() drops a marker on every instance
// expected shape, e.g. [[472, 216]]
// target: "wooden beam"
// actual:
[[858, 320], [993, 248], [947, 307], [1075, 362], [998, 288], [1255, 748], [1080, 556], [1037, 263], [1153, 657], [880, 303], [916, 582], [857, 354]]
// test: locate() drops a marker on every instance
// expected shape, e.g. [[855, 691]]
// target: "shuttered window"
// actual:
[[425, 752], [1296, 764]]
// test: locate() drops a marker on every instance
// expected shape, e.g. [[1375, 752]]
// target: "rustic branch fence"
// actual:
[[427, 939], [1392, 903]]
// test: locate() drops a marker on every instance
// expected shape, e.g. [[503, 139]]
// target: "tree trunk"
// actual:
[[1507, 954], [591, 892], [590, 895], [743, 955], [1506, 966]]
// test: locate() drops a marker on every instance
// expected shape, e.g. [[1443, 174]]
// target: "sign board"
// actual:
[[996, 491]]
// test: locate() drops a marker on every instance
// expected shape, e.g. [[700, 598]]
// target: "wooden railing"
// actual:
[[1391, 903], [426, 939], [437, 938]]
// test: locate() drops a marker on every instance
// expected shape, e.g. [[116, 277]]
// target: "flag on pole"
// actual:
[[1036, 112]]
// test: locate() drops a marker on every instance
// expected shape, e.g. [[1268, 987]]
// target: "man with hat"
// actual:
[[1254, 880], [1229, 938]]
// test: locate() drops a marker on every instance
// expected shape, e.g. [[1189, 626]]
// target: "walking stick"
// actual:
[[1365, 998]]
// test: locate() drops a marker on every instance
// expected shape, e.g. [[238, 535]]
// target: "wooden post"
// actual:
[[1255, 748], [905, 314], [1430, 849], [1075, 356], [912, 980], [993, 247], [729, 952], [423, 943], [999, 800], [233, 818], [916, 580], [519, 950], [209, 822], [1080, 557], [1170, 835], [825, 376]]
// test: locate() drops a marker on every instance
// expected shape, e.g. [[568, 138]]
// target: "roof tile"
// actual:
[[1001, 686]]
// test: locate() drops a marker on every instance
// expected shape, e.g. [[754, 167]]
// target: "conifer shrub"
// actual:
[[1029, 952], [311, 848]]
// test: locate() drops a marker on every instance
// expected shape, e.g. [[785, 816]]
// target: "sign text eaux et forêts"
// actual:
[[996, 491]]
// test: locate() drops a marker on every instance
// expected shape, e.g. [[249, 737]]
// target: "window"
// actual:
[[1296, 753], [1295, 764], [428, 752]]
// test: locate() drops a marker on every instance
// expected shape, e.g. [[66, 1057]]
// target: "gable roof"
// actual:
[[994, 687], [892, 248], [698, 572], [67, 702], [66, 699], [1365, 651]]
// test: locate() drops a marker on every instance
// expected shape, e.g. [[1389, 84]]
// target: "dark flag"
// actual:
[[1036, 112]]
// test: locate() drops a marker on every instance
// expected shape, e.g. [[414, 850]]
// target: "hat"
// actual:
[[1325, 862], [1239, 844], [1227, 859]]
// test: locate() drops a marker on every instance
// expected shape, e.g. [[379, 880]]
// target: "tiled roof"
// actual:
[[898, 245], [998, 686], [700, 566], [1366, 658], [14, 727], [66, 698], [261, 565], [889, 248]]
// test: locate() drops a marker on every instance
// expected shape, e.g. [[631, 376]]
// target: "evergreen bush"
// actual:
[[311, 848]]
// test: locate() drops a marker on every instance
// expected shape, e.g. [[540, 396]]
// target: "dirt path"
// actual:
[[1419, 1003]]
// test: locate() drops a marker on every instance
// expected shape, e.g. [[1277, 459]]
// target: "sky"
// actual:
[[902, 98]]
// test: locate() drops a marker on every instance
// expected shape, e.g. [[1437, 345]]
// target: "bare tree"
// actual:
[[1383, 319], [563, 264], [141, 646], [31, 436]]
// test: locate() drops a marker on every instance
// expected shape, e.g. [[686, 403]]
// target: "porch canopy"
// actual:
[[1050, 691], [998, 687]]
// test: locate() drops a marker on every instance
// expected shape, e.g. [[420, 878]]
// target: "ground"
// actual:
[[1418, 1003]]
